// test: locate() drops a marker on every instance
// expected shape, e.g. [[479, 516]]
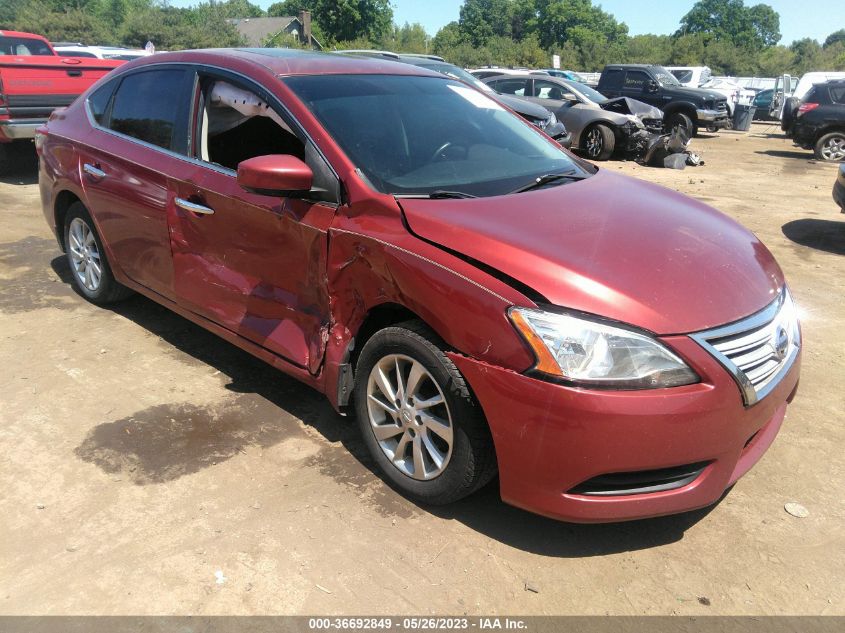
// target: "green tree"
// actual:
[[349, 19], [833, 38], [409, 38], [71, 25], [447, 39], [648, 49], [576, 21], [754, 27]]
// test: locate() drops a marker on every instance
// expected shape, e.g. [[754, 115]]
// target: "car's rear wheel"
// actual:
[[599, 142], [89, 266], [831, 147], [418, 418]]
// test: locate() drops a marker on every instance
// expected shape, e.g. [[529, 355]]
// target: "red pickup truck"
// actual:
[[34, 81]]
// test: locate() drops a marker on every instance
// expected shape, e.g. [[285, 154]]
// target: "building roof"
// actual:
[[256, 31]]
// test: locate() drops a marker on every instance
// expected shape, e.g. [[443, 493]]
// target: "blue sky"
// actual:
[[807, 18]]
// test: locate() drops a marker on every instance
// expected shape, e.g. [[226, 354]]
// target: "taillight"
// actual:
[[807, 107], [2, 94]]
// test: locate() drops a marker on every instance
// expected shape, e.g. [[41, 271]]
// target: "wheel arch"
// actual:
[[63, 201], [684, 107], [834, 127]]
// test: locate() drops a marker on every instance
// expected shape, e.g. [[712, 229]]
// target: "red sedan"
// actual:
[[481, 300]]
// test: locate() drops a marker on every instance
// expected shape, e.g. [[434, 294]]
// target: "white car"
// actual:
[[100, 52], [734, 93]]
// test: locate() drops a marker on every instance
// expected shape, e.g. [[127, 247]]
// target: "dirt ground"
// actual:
[[147, 467]]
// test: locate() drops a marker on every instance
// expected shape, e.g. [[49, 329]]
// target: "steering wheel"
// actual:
[[440, 150]]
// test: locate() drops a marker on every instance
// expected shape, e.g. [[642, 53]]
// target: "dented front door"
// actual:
[[251, 263]]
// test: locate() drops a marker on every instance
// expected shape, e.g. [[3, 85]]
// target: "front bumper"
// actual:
[[712, 118], [551, 438], [18, 129], [839, 188]]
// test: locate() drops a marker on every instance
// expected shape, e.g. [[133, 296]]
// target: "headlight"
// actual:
[[597, 354], [544, 123]]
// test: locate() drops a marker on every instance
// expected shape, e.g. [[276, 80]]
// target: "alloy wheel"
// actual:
[[409, 417], [594, 142], [84, 255], [834, 148]]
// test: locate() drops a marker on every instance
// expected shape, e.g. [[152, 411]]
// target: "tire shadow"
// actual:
[[822, 235]]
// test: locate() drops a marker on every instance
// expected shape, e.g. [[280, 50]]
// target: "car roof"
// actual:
[[22, 34], [288, 61]]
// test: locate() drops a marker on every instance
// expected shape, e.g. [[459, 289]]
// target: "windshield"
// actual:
[[593, 95], [23, 46], [684, 76], [665, 77], [416, 135]]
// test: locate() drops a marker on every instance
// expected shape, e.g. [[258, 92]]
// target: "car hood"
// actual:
[[626, 105], [522, 107], [696, 93], [613, 246]]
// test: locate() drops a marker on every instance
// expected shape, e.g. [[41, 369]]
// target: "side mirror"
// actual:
[[652, 86], [569, 96], [275, 175]]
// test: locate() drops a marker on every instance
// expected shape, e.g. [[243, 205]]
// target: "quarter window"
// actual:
[[147, 106], [98, 102]]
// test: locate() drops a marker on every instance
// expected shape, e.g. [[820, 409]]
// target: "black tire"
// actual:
[[679, 119], [472, 460], [599, 142], [790, 110], [831, 147], [107, 290]]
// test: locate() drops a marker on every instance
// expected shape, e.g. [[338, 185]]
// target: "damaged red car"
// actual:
[[481, 300]]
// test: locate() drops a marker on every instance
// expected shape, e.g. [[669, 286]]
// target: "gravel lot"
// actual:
[[147, 467]]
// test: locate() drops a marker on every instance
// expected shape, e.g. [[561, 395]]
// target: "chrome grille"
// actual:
[[759, 350]]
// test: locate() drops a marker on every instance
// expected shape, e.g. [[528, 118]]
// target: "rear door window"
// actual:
[[517, 86], [612, 79], [152, 106], [837, 93]]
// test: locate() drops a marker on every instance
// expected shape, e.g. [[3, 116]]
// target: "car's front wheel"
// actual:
[[418, 418], [599, 142], [831, 147], [89, 267], [679, 119]]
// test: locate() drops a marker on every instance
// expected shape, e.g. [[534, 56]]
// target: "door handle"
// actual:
[[89, 169], [193, 207]]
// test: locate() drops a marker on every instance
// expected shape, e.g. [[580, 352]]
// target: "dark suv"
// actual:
[[820, 121], [691, 108]]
